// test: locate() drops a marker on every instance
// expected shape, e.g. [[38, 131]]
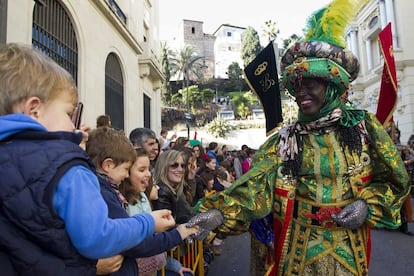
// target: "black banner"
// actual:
[[261, 76]]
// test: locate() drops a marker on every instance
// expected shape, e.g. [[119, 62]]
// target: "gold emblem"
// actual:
[[267, 82], [261, 68]]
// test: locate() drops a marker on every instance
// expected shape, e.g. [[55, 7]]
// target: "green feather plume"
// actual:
[[328, 24]]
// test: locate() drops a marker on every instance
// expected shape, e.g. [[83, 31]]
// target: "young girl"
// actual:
[[139, 180], [210, 167], [139, 191]]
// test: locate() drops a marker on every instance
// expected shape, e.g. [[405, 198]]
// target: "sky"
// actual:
[[290, 15]]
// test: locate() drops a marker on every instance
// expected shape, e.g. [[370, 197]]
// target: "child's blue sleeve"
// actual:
[[79, 203]]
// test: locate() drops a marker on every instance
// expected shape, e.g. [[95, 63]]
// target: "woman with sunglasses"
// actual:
[[169, 176]]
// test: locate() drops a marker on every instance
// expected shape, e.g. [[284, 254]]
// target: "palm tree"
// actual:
[[270, 31], [186, 64], [166, 93]]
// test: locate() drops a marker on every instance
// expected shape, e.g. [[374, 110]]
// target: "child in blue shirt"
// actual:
[[113, 154]]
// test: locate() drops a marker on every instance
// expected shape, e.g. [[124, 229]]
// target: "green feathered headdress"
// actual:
[[328, 24], [322, 53]]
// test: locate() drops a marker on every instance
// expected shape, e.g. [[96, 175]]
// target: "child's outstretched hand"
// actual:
[[185, 231], [163, 220], [185, 270]]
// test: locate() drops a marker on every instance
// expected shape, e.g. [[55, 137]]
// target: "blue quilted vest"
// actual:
[[31, 233]]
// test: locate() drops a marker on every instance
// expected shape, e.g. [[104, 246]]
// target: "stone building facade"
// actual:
[[111, 47], [191, 33], [219, 49]]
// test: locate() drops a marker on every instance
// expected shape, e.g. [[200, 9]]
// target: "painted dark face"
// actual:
[[310, 95]]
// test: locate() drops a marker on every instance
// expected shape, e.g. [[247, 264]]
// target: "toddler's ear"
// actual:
[[31, 107]]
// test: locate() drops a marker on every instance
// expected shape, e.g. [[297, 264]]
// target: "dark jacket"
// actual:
[[180, 208], [199, 188], [38, 245], [153, 245], [166, 199]]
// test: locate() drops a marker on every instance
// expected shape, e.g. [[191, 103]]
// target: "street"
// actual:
[[392, 254]]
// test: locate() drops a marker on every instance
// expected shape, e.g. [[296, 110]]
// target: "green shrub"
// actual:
[[219, 128]]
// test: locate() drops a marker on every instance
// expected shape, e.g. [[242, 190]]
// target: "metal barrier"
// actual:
[[190, 255]]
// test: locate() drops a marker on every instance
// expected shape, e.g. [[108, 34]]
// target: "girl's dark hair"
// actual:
[[206, 177], [127, 189]]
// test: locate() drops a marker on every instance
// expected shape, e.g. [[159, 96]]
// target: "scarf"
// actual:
[[115, 187], [345, 120]]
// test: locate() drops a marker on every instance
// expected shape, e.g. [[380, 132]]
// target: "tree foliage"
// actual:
[[197, 98], [270, 30], [235, 75], [219, 128], [234, 71], [290, 41], [242, 105], [243, 110], [186, 64], [250, 46], [166, 88]]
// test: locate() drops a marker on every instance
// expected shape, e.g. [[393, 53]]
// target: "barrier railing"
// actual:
[[190, 255]]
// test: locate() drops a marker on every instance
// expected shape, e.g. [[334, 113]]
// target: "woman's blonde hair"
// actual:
[[162, 166], [25, 73]]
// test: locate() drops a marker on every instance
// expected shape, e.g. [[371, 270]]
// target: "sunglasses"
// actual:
[[176, 165]]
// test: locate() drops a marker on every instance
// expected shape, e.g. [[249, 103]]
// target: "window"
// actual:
[[229, 34], [53, 34], [147, 111], [192, 30], [373, 22], [115, 7], [114, 91]]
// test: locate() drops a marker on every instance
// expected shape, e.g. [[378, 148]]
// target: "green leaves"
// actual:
[[219, 128]]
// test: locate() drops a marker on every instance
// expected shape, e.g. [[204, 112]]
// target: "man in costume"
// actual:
[[327, 178]]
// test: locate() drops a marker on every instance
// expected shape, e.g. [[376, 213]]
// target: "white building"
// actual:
[[227, 48], [363, 40], [111, 48]]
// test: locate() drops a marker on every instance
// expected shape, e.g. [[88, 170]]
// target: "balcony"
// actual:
[[118, 19], [149, 65]]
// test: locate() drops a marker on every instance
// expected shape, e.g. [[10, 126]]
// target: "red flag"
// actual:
[[387, 101]]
